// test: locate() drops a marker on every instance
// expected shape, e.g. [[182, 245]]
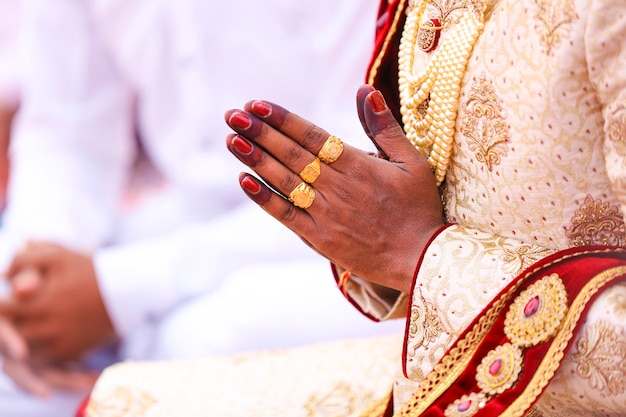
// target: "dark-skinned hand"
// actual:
[[371, 215], [63, 316]]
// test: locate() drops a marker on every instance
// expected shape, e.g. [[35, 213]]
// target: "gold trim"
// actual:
[[553, 357], [390, 34], [452, 365]]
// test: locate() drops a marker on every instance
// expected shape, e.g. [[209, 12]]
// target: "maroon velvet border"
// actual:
[[575, 273]]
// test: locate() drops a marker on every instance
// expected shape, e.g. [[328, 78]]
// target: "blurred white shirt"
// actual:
[[9, 26], [100, 73]]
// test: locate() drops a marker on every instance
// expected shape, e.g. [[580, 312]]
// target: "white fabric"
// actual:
[[99, 73], [9, 71]]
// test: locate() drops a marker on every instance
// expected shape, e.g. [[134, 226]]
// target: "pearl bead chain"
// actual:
[[438, 85]]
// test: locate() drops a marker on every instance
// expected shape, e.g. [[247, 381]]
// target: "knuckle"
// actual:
[[288, 183], [293, 155], [313, 138], [289, 214]]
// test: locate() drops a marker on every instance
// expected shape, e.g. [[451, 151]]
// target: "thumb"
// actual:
[[361, 95], [26, 282], [385, 130]]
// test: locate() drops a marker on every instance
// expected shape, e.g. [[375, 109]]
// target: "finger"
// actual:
[[298, 220], [293, 127], [35, 255], [26, 283], [387, 133], [277, 175], [282, 148], [361, 94], [25, 377], [12, 344], [70, 380]]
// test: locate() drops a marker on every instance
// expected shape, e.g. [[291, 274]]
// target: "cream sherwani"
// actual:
[[178, 267], [539, 165]]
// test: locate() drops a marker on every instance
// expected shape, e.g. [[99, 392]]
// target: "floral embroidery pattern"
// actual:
[[123, 402], [445, 11], [600, 358], [553, 19], [617, 130], [342, 400], [522, 257], [425, 324], [597, 223], [484, 124]]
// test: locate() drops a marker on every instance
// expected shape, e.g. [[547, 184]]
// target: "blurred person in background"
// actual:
[[492, 218], [123, 236], [8, 84]]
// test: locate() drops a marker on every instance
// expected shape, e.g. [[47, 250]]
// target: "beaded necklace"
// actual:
[[429, 99]]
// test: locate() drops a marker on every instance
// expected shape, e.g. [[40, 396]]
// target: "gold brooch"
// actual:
[[534, 317]]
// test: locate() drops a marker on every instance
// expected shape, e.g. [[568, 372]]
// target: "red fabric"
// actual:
[[82, 409], [386, 79], [575, 273]]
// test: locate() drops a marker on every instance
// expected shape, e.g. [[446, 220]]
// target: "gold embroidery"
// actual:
[[554, 20], [551, 361], [534, 412], [425, 324], [521, 258], [455, 362], [617, 126], [537, 313], [597, 223], [617, 130], [341, 400], [600, 356], [123, 402], [446, 11], [484, 124]]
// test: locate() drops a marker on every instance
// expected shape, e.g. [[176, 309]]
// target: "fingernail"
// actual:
[[249, 185], [261, 108], [254, 190], [239, 120], [377, 101], [241, 145]]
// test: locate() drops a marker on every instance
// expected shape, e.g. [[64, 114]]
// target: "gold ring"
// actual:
[[302, 196], [311, 171], [331, 150]]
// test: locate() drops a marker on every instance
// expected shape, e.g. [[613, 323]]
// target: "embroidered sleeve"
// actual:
[[461, 272]]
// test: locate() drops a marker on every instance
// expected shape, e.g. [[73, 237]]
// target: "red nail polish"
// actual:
[[240, 120], [250, 185], [377, 101], [261, 108], [241, 145]]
